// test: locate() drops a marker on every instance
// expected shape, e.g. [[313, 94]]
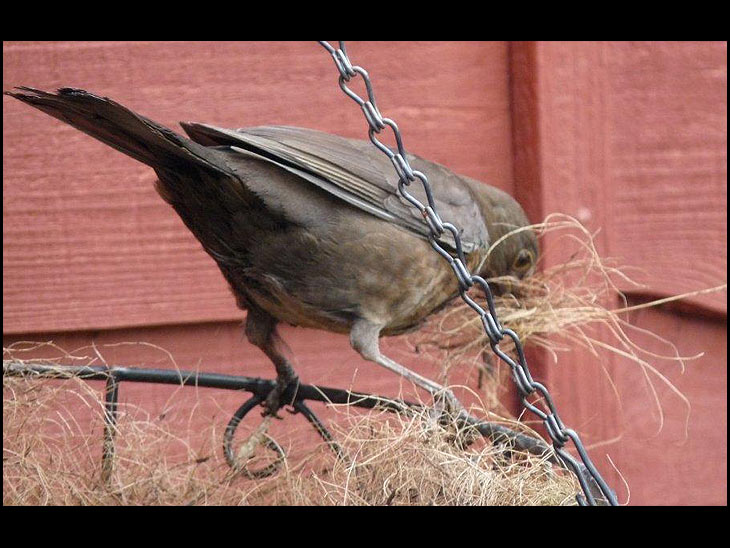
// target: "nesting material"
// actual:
[[50, 459], [575, 304]]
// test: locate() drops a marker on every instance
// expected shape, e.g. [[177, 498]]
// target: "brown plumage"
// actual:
[[309, 228]]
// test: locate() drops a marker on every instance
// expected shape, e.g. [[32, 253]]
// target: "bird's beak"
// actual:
[[503, 285], [506, 285]]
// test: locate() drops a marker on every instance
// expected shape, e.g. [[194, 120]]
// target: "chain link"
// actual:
[[557, 431]]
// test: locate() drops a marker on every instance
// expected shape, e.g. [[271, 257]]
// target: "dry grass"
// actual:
[[49, 457]]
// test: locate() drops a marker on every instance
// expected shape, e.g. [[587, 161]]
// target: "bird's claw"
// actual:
[[446, 408], [272, 404], [449, 413]]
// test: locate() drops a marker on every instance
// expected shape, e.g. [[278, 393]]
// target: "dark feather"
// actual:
[[358, 173]]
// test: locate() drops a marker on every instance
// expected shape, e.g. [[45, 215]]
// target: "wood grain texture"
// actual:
[[678, 456], [633, 138], [667, 143], [630, 139], [87, 243]]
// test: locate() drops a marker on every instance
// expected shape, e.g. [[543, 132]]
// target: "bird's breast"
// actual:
[[329, 276]]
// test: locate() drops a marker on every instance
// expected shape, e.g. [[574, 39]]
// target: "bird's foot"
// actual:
[[449, 413], [446, 407], [273, 402]]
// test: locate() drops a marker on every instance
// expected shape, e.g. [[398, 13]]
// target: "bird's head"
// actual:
[[513, 249]]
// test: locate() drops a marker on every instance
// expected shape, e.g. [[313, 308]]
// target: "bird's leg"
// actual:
[[261, 331], [364, 338]]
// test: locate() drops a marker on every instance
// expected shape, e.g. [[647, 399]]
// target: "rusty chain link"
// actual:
[[557, 431]]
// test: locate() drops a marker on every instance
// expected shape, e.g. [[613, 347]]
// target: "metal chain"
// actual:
[[557, 431]]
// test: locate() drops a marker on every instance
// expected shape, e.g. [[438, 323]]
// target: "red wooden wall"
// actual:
[[631, 138], [628, 137]]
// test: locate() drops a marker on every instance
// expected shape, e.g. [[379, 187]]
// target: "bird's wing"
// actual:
[[356, 172]]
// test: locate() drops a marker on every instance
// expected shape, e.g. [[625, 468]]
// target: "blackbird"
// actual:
[[309, 228]]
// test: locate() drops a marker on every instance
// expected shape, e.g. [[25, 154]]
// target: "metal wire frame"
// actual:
[[113, 376]]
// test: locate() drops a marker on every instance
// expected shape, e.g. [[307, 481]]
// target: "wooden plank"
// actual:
[[629, 138], [667, 156], [635, 137], [678, 457], [557, 147], [87, 243]]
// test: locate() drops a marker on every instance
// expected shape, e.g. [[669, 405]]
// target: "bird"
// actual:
[[309, 229]]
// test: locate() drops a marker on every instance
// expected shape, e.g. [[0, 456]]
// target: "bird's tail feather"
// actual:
[[117, 126], [194, 179]]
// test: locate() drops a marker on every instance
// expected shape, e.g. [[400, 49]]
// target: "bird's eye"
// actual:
[[523, 261]]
